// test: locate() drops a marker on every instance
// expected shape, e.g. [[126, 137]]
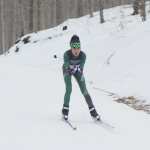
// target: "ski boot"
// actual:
[[94, 114], [65, 112]]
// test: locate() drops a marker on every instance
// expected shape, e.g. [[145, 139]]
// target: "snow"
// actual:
[[32, 86]]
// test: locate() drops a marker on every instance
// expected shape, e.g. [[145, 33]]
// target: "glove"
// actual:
[[80, 70], [69, 71], [75, 68], [72, 69]]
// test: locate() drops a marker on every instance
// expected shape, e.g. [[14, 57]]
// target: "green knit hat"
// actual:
[[75, 42]]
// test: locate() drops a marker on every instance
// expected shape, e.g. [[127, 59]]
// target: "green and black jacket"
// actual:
[[70, 59]]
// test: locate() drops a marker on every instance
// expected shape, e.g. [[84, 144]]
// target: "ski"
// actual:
[[70, 124], [105, 125], [101, 123]]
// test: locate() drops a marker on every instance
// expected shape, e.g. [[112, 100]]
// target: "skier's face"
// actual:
[[75, 51]]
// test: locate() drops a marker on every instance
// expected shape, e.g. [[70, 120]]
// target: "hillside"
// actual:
[[32, 86]]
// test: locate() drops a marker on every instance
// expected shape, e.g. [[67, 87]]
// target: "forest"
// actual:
[[19, 17]]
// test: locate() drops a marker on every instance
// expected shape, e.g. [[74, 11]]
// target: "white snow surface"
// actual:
[[32, 86]]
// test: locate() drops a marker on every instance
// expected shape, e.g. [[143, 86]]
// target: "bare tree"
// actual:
[[80, 8], [2, 25], [139, 8], [135, 7], [38, 14], [90, 8], [53, 21], [31, 15], [59, 11], [142, 10], [101, 6]]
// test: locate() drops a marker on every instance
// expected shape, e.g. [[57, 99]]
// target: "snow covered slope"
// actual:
[[32, 86]]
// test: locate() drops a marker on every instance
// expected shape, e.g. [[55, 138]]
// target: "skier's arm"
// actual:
[[66, 61], [83, 59]]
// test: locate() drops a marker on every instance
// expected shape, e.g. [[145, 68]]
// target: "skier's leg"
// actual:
[[81, 82], [68, 85]]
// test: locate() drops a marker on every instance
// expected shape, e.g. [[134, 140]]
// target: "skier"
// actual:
[[74, 60]]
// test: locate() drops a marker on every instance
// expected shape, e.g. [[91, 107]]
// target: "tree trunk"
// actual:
[[135, 7], [142, 10], [101, 11], [90, 8], [31, 15], [2, 25]]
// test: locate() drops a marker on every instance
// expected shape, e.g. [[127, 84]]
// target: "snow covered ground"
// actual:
[[32, 86]]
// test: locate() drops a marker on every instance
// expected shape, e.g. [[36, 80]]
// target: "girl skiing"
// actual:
[[74, 60]]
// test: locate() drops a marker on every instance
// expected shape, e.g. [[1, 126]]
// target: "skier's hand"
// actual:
[[69, 70], [80, 70], [75, 68]]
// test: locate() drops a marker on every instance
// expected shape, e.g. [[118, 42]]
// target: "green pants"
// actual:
[[81, 82]]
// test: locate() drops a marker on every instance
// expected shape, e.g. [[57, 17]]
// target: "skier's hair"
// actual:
[[74, 39]]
